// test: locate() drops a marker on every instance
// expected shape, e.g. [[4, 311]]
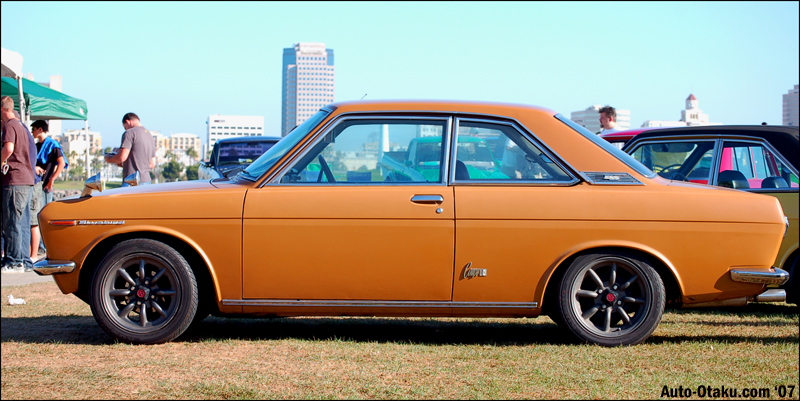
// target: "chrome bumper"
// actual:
[[46, 267], [760, 276]]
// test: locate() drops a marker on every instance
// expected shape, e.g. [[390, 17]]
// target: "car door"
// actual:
[[349, 218], [508, 203]]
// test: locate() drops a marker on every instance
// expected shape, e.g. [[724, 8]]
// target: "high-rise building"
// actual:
[[590, 118], [220, 126], [308, 82], [790, 108]]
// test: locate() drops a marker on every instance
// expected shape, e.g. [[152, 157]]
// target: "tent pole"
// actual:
[[87, 147], [22, 114]]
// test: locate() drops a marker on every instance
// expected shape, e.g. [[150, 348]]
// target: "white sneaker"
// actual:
[[15, 269]]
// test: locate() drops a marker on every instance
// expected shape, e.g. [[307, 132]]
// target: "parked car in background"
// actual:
[[318, 225], [231, 154], [759, 159]]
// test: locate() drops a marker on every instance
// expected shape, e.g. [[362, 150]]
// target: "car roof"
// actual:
[[782, 138], [250, 139], [437, 105], [624, 136]]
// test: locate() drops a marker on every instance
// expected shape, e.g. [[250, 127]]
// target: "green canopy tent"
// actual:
[[43, 103]]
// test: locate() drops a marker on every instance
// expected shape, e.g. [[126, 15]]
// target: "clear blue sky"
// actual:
[[175, 63]]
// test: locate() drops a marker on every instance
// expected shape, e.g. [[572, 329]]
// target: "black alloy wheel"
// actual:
[[611, 299], [143, 292]]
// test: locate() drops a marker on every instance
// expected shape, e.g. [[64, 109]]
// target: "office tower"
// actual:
[[308, 79]]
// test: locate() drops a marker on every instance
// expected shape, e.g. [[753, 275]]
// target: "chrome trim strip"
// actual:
[[607, 178], [760, 276], [374, 304], [46, 267], [557, 159]]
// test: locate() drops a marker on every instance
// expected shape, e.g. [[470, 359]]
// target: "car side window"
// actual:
[[745, 165], [370, 151], [678, 160], [489, 151]]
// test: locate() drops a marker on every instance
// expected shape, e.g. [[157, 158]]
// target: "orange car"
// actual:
[[333, 220]]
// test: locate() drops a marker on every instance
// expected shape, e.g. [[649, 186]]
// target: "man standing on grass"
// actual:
[[137, 151], [18, 181]]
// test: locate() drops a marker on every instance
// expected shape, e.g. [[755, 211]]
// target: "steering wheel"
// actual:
[[664, 169], [679, 177], [326, 170]]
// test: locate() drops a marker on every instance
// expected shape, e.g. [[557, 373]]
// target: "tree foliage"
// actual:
[[172, 170], [191, 172]]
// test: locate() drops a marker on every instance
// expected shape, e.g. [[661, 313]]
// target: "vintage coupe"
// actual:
[[333, 221]]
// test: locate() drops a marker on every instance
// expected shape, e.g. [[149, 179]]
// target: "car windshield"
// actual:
[[618, 153], [242, 152], [268, 159]]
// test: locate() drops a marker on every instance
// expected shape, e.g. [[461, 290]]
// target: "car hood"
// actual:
[[174, 200]]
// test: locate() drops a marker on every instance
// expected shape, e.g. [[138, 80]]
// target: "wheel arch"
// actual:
[[195, 257], [547, 291]]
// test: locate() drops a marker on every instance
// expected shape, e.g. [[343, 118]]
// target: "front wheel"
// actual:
[[611, 299], [143, 292]]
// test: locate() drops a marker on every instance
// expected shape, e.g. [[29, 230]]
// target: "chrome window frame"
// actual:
[[772, 149], [274, 179], [602, 143], [525, 133], [715, 155], [719, 140]]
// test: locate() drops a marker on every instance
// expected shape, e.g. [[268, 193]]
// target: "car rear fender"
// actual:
[[672, 280]]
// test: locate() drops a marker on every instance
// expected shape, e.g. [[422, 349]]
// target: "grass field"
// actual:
[[52, 348]]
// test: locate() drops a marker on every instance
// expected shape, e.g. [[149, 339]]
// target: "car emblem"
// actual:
[[610, 297]]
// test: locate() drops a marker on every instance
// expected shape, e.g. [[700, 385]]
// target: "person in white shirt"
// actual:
[[608, 120]]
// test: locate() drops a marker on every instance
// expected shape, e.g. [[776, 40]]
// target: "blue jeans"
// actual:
[[17, 224]]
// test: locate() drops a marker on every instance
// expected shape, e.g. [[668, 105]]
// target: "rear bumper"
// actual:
[[760, 276], [46, 267]]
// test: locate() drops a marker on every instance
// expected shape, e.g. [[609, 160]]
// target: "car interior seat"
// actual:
[[774, 182], [732, 179], [461, 171]]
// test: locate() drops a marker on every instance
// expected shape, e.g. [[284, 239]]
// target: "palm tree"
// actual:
[[192, 155]]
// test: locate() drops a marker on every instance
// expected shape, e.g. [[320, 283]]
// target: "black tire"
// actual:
[[611, 299], [168, 291]]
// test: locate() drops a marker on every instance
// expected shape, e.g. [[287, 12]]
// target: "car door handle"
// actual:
[[427, 199]]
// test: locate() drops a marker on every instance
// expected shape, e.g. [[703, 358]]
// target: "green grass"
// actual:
[[62, 185], [58, 184], [53, 348]]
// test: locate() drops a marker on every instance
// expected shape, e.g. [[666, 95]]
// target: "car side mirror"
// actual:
[[96, 182], [133, 179]]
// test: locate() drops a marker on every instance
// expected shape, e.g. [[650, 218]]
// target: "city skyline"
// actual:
[[738, 57]]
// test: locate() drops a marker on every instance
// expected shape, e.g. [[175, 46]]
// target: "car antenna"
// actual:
[[362, 97]]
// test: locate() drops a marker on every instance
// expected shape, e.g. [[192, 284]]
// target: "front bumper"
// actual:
[[760, 276], [46, 267]]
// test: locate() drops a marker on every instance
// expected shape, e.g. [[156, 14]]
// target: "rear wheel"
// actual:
[[611, 299], [143, 292]]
